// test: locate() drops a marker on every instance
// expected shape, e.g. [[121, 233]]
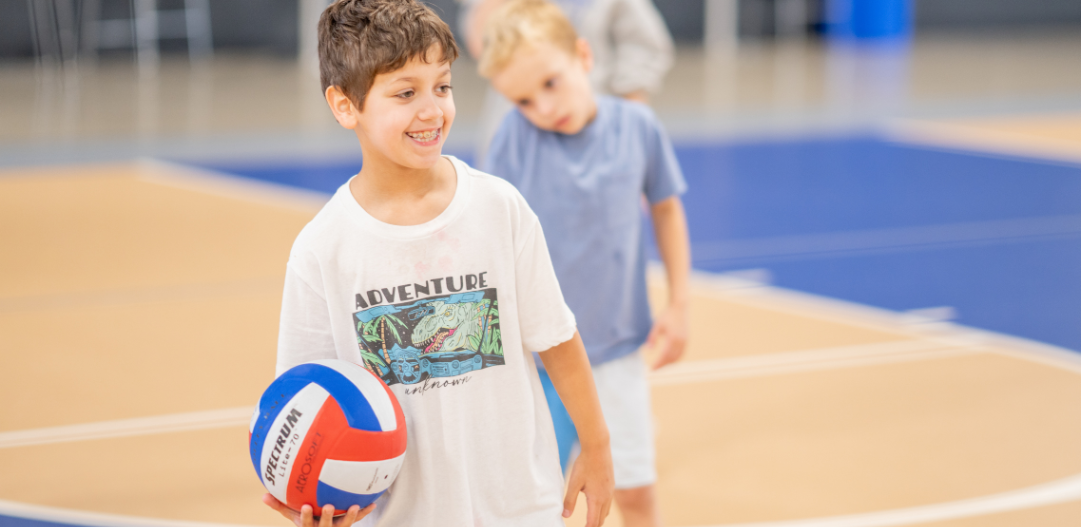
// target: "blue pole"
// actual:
[[869, 19]]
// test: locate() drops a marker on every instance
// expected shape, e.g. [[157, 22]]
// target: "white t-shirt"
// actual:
[[454, 306]]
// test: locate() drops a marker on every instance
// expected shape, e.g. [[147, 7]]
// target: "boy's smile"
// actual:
[[550, 86], [426, 137]]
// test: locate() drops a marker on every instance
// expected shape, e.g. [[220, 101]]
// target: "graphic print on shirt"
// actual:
[[441, 336]]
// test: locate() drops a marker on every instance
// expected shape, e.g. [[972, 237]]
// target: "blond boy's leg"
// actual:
[[623, 390], [638, 506]]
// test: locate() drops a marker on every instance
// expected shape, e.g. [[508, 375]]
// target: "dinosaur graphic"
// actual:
[[449, 326]]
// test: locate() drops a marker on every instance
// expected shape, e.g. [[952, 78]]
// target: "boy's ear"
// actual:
[[342, 107], [584, 53]]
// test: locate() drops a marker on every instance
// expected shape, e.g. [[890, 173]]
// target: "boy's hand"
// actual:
[[305, 518], [668, 338], [592, 475]]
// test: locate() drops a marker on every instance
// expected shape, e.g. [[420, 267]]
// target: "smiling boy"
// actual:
[[436, 277], [584, 164]]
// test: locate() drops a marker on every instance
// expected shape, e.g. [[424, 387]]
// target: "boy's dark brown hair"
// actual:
[[359, 39]]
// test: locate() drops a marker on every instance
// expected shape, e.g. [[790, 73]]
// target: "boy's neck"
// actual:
[[400, 195]]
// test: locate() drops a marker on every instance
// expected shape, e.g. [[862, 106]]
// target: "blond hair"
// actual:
[[520, 23]]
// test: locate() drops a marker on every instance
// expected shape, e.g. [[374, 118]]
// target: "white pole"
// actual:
[[308, 49], [721, 40], [722, 24]]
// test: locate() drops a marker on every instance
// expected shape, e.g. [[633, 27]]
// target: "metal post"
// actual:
[[146, 35]]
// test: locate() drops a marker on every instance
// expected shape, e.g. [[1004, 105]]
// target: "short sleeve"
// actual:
[[543, 316], [664, 178], [304, 333]]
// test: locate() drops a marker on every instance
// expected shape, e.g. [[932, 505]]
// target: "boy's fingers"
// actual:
[[272, 502], [592, 513], [326, 519], [305, 516], [663, 356], [350, 517], [569, 500], [281, 508], [671, 352]]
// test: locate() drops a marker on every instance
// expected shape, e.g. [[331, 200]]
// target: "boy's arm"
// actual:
[[670, 329], [572, 377]]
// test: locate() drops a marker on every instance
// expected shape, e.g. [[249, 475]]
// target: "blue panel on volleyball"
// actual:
[[336, 496], [358, 411], [272, 402]]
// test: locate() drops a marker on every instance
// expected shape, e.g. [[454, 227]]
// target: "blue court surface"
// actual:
[[874, 221]]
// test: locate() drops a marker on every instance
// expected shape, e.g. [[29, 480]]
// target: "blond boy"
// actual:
[[584, 164]]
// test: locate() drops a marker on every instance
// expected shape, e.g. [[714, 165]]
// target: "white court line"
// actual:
[[129, 427], [230, 186], [140, 295], [804, 361], [680, 373], [1061, 491], [736, 288], [92, 519]]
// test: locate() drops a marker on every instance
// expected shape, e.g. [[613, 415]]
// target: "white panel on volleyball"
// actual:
[[361, 477], [307, 402], [254, 419], [371, 388]]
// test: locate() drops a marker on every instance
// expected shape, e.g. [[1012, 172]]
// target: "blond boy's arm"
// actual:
[[669, 334], [568, 367]]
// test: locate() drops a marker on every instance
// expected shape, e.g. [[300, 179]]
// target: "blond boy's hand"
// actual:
[[591, 475], [668, 338], [305, 518]]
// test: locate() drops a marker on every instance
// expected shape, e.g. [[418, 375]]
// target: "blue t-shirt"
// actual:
[[587, 191]]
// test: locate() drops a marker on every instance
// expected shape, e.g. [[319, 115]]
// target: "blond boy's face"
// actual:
[[406, 114], [550, 86]]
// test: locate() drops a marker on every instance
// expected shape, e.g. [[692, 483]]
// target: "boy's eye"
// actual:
[[405, 94], [523, 102], [445, 88], [550, 83]]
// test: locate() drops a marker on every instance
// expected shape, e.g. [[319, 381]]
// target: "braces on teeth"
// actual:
[[423, 136]]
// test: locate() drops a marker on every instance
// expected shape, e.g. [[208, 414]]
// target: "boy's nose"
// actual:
[[431, 110]]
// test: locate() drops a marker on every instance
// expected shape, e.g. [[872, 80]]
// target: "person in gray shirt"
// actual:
[[632, 51]]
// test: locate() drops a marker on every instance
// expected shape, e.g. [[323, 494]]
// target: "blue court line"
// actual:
[[871, 220], [12, 521]]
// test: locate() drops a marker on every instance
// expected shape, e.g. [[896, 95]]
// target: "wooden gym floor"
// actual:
[[139, 300], [138, 314]]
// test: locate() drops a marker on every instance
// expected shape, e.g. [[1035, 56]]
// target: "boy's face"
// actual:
[[550, 86], [406, 114]]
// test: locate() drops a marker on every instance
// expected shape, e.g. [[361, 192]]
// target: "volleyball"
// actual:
[[327, 431]]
